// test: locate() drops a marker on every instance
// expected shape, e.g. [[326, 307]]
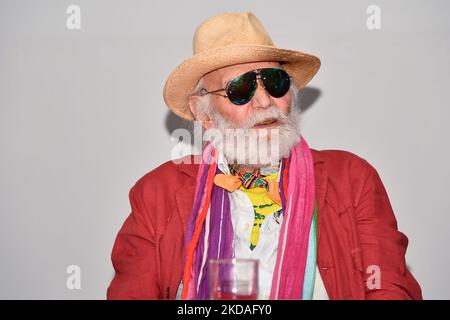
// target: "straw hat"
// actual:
[[229, 39]]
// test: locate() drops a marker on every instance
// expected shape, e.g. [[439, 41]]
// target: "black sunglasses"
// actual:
[[241, 89]]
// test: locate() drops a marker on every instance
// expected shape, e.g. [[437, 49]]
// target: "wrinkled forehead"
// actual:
[[220, 77]]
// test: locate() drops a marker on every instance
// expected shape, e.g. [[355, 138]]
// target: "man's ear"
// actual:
[[193, 102]]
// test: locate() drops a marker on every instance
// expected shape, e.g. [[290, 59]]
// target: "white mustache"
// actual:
[[271, 113]]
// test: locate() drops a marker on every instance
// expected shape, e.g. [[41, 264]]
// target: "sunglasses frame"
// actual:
[[258, 75]]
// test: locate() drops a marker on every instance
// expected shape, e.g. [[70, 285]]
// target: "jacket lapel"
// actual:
[[321, 181], [184, 196]]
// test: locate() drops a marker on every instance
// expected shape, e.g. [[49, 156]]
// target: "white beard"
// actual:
[[247, 146]]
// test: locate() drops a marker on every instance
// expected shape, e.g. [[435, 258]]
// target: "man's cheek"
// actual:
[[237, 115]]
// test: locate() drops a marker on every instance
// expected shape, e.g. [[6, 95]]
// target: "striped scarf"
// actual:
[[209, 234]]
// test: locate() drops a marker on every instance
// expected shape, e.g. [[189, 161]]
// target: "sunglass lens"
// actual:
[[276, 81], [241, 89]]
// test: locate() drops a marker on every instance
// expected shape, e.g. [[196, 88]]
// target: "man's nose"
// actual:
[[261, 98]]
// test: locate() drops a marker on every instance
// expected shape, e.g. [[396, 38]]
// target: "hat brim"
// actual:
[[181, 82]]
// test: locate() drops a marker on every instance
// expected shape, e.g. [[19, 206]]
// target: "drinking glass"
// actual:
[[234, 279]]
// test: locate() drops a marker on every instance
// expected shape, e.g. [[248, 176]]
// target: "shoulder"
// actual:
[[153, 196], [170, 175], [346, 174], [341, 161]]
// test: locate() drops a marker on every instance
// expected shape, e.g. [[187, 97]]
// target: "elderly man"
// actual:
[[319, 223]]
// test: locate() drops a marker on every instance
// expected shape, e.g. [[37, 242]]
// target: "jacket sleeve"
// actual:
[[134, 254], [383, 247]]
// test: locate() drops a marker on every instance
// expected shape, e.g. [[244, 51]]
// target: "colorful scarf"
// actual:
[[210, 235], [252, 179]]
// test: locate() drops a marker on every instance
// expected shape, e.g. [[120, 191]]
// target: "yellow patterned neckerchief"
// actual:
[[263, 206], [263, 192]]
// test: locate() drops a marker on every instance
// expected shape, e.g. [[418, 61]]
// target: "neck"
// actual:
[[244, 168]]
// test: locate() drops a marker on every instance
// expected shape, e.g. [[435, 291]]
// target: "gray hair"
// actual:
[[204, 106]]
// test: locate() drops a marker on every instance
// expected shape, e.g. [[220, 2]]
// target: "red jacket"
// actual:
[[356, 229]]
